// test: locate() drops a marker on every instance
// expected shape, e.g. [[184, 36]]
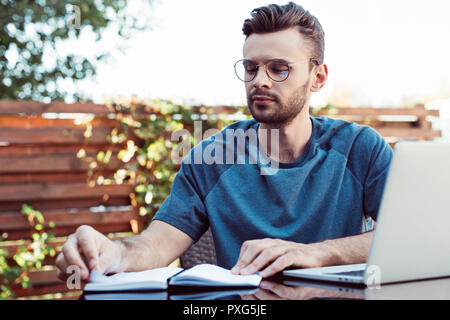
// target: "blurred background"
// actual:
[[90, 91], [379, 53]]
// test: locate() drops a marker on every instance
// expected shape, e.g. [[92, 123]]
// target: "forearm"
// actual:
[[348, 250], [157, 246], [138, 253]]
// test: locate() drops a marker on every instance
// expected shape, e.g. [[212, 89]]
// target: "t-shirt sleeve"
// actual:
[[184, 207], [378, 167]]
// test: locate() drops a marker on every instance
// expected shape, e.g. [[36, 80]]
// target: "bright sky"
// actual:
[[379, 52]]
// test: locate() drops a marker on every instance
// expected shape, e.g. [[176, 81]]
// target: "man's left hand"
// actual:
[[270, 256]]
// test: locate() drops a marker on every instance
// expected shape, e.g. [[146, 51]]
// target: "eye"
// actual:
[[250, 67], [278, 68]]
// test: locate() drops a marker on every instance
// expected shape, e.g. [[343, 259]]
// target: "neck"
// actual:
[[292, 137]]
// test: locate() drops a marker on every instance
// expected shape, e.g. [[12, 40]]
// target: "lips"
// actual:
[[262, 100]]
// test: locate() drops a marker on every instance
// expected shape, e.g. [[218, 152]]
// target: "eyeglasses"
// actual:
[[276, 69]]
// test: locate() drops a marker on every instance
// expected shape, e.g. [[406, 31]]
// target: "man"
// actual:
[[330, 174]]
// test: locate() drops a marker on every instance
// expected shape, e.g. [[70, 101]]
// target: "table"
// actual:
[[288, 288]]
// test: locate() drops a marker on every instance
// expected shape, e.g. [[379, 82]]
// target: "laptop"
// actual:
[[412, 236]]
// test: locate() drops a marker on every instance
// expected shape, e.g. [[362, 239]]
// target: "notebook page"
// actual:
[[211, 274], [124, 278]]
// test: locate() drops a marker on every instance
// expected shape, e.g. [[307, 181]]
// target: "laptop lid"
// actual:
[[412, 237]]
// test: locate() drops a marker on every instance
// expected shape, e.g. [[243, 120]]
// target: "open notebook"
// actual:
[[203, 275]]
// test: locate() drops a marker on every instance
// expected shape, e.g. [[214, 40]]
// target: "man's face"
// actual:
[[287, 98]]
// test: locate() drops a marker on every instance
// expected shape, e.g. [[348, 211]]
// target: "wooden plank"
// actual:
[[390, 124], [11, 122], [379, 123], [17, 226], [13, 107], [56, 149], [43, 282], [342, 111], [51, 135], [14, 178], [39, 290], [12, 247], [64, 231], [38, 204], [44, 277], [10, 221], [33, 107], [50, 163], [419, 110], [408, 133], [72, 296], [76, 190], [216, 110]]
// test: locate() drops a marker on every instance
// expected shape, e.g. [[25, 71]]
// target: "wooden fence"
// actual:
[[39, 166]]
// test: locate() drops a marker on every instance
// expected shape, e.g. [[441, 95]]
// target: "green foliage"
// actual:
[[28, 256], [327, 110], [144, 133], [30, 33]]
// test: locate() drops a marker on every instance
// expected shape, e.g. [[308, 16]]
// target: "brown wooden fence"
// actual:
[[395, 124], [39, 166]]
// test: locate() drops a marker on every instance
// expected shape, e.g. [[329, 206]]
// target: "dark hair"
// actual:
[[274, 18]]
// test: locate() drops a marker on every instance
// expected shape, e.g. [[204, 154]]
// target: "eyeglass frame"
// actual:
[[313, 60]]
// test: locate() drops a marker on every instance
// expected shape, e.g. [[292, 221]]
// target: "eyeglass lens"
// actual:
[[276, 70]]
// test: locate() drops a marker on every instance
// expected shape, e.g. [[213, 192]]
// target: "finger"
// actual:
[[72, 256], [264, 258], [88, 246], [242, 257], [278, 265], [108, 260], [62, 267], [249, 251]]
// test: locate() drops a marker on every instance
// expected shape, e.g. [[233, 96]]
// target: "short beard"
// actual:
[[286, 112]]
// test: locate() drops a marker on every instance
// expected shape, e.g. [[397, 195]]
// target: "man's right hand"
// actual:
[[89, 250]]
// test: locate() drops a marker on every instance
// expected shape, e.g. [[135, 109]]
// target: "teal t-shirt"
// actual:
[[328, 192]]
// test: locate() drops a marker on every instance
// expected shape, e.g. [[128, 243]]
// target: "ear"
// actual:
[[320, 76]]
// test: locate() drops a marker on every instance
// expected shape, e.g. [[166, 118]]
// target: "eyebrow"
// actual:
[[274, 59]]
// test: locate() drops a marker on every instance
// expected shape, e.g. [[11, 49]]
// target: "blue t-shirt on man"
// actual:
[[328, 192]]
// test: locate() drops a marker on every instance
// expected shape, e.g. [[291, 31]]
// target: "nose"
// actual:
[[261, 79]]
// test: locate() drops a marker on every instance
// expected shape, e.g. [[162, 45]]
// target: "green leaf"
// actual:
[[36, 237], [27, 209], [39, 216], [141, 188], [100, 156]]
